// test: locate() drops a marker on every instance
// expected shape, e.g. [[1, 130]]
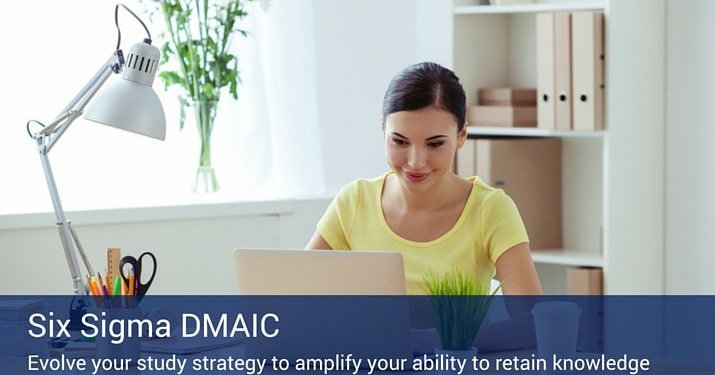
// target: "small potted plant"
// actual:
[[460, 303]]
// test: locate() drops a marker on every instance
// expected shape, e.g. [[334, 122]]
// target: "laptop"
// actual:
[[319, 272], [331, 302]]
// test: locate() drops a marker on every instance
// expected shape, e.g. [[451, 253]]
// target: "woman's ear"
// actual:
[[462, 136], [382, 127]]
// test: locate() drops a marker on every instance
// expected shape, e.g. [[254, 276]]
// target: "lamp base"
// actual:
[[78, 307]]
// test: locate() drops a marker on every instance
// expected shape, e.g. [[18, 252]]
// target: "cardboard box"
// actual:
[[507, 96], [529, 171], [588, 281], [584, 281], [488, 115]]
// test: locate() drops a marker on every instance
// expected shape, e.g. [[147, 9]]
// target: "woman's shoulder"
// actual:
[[484, 193], [372, 183], [482, 187], [362, 185], [361, 189]]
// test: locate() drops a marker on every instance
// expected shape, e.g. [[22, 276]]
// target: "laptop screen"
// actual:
[[332, 302], [319, 272]]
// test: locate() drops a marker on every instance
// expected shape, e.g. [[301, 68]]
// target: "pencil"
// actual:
[[131, 283]]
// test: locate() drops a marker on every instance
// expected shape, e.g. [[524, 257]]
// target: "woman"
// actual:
[[434, 218]]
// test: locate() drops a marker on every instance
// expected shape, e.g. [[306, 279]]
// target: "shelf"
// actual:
[[527, 132], [530, 8], [566, 257]]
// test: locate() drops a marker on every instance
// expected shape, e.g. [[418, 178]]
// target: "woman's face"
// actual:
[[420, 146]]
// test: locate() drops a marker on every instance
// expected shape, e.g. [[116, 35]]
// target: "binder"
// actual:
[[588, 70], [466, 159], [562, 70], [545, 71]]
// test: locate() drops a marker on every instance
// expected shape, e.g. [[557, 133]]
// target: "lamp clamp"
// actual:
[[118, 64]]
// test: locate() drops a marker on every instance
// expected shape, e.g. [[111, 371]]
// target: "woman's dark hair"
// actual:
[[423, 85]]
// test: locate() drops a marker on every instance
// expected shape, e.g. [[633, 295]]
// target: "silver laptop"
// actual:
[[319, 272], [334, 302]]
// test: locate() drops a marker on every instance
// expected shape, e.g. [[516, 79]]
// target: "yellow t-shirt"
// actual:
[[489, 225]]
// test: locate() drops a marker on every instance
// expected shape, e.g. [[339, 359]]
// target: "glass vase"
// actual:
[[205, 114]]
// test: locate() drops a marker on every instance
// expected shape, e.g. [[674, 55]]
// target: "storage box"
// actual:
[[588, 281], [507, 96], [529, 171], [584, 281], [487, 115]]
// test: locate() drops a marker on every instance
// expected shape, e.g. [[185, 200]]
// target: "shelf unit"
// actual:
[[566, 257], [495, 46], [483, 132], [620, 222], [529, 8]]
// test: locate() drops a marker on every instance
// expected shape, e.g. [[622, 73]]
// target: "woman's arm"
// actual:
[[317, 243], [516, 272]]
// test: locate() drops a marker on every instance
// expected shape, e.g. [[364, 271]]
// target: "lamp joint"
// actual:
[[119, 63]]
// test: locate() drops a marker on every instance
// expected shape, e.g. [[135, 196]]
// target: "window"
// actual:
[[264, 145]]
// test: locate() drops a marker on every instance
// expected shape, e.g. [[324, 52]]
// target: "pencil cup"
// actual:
[[556, 326], [121, 340]]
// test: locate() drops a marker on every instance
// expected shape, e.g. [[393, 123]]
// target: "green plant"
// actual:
[[197, 58], [461, 302]]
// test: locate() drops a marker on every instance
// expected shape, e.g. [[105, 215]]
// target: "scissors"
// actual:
[[137, 266]]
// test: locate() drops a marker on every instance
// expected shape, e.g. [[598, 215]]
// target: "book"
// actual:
[[20, 310]]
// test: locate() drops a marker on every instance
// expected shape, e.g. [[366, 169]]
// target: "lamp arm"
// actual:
[[46, 138], [80, 248], [62, 225], [74, 109]]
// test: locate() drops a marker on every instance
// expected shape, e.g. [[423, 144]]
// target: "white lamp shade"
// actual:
[[129, 106]]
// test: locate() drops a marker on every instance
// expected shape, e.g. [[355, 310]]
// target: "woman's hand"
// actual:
[[317, 243]]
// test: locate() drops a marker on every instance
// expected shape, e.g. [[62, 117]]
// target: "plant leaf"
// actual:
[[461, 303], [200, 62], [182, 112]]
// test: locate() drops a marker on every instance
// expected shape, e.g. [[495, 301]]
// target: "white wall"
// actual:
[[359, 46], [690, 136], [194, 254], [635, 175]]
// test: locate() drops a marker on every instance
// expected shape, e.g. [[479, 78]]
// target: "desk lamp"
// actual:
[[128, 103]]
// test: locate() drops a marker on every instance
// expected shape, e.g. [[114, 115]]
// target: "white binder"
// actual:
[[588, 70], [545, 71], [562, 70]]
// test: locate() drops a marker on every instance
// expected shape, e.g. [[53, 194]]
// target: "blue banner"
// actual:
[[256, 335]]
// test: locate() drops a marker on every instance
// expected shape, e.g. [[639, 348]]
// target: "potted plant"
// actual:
[[460, 303], [198, 59]]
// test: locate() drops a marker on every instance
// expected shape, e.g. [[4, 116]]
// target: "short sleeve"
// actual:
[[337, 220], [502, 227]]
